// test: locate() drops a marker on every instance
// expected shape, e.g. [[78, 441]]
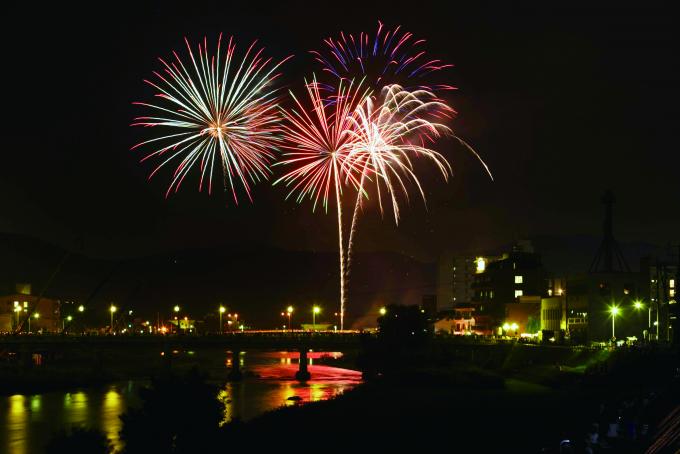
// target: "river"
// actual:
[[28, 421]]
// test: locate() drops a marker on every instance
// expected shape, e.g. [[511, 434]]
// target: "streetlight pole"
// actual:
[[176, 309], [112, 309], [289, 310], [222, 311], [614, 311], [315, 310]]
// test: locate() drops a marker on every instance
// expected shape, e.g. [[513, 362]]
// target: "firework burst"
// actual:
[[390, 56], [215, 111], [388, 133], [318, 144]]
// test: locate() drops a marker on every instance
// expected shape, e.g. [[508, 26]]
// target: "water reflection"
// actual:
[[28, 422], [112, 408], [16, 424]]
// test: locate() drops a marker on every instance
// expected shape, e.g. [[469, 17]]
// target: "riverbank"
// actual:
[[462, 408]]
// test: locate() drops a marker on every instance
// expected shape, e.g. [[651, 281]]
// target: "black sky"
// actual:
[[562, 102]]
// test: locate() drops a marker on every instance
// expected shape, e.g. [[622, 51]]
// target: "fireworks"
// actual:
[[319, 144], [389, 57], [215, 108], [386, 137]]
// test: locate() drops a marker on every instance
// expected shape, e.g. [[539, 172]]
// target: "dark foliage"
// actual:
[[406, 325], [179, 414], [78, 440]]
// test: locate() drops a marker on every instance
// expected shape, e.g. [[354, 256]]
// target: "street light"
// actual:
[[614, 310], [383, 310], [186, 324], [35, 315], [222, 311], [315, 310], [112, 309], [289, 310], [638, 305], [81, 308], [176, 309]]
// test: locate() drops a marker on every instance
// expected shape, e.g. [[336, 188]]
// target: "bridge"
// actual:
[[266, 340], [137, 353]]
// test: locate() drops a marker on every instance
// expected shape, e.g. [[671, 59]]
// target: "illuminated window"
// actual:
[[519, 279], [518, 293], [550, 292], [671, 292], [481, 264], [671, 283]]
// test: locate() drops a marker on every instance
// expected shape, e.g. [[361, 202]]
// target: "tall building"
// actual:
[[661, 299], [513, 278], [464, 270], [456, 275]]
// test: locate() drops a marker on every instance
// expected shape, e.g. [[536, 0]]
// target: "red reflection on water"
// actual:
[[320, 374], [296, 355]]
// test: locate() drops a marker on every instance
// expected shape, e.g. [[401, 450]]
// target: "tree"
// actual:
[[79, 440], [179, 414]]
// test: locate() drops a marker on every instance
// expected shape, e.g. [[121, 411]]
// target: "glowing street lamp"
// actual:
[[638, 305], [222, 311], [36, 316], [112, 309], [383, 310], [289, 311], [614, 311], [81, 308], [315, 310], [176, 309]]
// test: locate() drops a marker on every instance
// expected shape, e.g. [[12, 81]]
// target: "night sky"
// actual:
[[562, 103]]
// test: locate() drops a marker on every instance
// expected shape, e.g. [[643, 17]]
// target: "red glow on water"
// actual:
[[320, 374], [296, 355]]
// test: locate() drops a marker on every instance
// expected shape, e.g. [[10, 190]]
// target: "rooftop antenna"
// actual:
[[609, 258]]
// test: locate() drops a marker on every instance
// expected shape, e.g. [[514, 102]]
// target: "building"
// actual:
[[516, 277], [16, 307], [456, 276], [661, 299], [463, 321]]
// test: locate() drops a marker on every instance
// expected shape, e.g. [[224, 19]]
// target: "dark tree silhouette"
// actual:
[[179, 414], [79, 440]]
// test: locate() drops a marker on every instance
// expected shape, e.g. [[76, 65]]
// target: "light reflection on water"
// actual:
[[28, 421]]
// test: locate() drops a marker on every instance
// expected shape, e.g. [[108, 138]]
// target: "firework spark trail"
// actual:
[[385, 139], [390, 56], [319, 143], [216, 107], [383, 145]]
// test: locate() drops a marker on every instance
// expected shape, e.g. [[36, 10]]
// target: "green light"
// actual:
[[614, 310], [637, 305]]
